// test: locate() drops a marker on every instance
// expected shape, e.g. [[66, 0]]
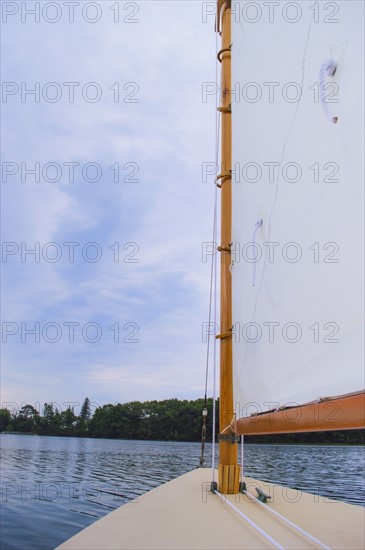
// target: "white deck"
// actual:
[[183, 514]]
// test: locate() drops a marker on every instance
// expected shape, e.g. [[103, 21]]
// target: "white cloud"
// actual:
[[170, 132]]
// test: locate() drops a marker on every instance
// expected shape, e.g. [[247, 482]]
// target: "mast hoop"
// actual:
[[224, 249], [224, 109], [223, 176], [222, 51], [223, 335]]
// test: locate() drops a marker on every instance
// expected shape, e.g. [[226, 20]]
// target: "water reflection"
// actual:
[[52, 487]]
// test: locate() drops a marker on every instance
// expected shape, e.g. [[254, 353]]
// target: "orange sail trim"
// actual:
[[346, 412]]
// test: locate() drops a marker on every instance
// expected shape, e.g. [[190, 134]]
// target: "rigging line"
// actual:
[[211, 293], [212, 280], [278, 184], [214, 366], [210, 305], [286, 520], [217, 134], [242, 452], [252, 523]]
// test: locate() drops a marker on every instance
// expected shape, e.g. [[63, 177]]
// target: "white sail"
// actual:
[[297, 192]]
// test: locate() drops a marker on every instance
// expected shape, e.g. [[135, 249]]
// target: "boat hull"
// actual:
[[184, 514]]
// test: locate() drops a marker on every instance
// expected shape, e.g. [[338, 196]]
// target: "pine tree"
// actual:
[[85, 413], [84, 418]]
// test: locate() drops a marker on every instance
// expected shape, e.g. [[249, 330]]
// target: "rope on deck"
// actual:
[[286, 520], [252, 523]]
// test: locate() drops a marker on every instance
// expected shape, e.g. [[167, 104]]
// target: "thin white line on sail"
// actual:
[[258, 224]]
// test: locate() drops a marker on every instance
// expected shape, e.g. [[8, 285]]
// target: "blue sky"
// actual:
[[160, 220]]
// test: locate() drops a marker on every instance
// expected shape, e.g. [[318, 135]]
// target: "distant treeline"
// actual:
[[168, 420]]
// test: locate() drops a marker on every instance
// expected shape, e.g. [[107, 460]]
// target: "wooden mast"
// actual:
[[229, 471]]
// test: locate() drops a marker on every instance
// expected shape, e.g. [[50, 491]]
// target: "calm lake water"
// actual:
[[52, 487]]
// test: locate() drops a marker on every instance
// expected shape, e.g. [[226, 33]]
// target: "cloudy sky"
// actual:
[[104, 135]]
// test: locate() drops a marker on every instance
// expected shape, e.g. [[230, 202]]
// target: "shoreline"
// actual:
[[292, 444]]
